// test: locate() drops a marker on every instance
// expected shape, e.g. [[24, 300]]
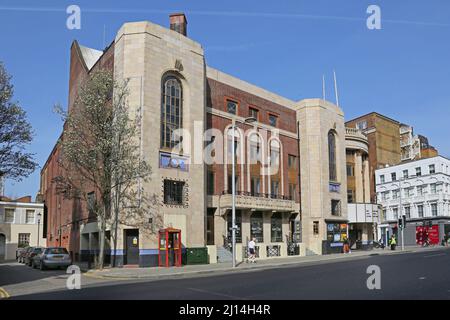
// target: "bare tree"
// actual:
[[15, 134], [100, 152]]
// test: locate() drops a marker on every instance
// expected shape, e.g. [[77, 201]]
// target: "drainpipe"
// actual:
[[299, 179]]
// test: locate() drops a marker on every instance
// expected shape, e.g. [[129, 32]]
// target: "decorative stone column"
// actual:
[[359, 195]]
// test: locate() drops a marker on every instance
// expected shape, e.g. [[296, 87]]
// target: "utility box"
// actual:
[[195, 256]]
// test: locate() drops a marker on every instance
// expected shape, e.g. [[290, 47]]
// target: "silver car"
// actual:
[[53, 257]]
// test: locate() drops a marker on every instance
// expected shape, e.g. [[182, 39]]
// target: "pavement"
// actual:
[[158, 273], [416, 273]]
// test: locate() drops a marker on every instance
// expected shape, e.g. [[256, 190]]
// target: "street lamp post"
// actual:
[[401, 214], [39, 226], [233, 189]]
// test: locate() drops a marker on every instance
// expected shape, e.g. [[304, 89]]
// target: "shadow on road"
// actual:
[[15, 273]]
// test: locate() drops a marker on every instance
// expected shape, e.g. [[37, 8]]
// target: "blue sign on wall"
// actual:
[[169, 161]]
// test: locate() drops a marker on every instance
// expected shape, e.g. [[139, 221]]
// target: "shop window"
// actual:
[[238, 226], [276, 226]]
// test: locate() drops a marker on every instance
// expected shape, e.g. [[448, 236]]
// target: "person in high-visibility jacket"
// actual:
[[393, 242]]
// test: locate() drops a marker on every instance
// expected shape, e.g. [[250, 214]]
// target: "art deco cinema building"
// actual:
[[294, 209]]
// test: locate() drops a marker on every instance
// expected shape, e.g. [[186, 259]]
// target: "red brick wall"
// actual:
[[62, 212], [217, 95]]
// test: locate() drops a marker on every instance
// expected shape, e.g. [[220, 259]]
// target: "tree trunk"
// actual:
[[116, 226], [101, 256]]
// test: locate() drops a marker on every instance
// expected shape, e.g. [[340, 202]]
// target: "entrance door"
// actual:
[[132, 246], [210, 226], [2, 246]]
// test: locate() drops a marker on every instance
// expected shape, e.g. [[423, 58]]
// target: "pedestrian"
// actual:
[[381, 242], [444, 240], [346, 246], [251, 250], [393, 242]]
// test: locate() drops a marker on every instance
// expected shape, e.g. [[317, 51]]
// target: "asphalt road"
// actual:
[[420, 275]]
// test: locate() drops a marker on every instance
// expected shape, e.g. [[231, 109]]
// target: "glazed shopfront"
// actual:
[[275, 233], [337, 233]]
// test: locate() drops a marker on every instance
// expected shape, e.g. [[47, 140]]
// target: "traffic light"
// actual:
[[400, 223], [404, 221]]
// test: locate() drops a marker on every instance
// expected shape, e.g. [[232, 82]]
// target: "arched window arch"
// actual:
[[332, 155], [171, 110]]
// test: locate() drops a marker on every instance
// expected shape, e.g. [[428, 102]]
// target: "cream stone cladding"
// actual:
[[316, 118], [144, 52]]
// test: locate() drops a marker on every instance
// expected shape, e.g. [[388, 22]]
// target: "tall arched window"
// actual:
[[171, 110], [332, 155]]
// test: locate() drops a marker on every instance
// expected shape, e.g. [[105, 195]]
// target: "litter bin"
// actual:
[[195, 256]]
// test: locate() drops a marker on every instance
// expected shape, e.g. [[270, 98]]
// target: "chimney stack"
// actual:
[[178, 23]]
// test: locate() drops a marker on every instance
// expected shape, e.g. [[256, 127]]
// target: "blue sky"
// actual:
[[402, 71]]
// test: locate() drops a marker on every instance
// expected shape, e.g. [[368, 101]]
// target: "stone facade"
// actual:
[[383, 134], [292, 208], [418, 190], [363, 215], [316, 119], [21, 223]]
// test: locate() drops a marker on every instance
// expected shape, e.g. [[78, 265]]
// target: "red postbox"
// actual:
[[169, 247]]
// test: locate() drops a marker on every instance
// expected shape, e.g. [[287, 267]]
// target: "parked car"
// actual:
[[20, 252], [53, 257], [31, 254], [23, 254]]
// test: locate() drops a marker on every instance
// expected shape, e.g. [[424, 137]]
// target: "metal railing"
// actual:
[[259, 195], [273, 250]]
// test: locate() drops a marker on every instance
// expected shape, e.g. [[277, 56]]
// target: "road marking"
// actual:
[[216, 293], [90, 275], [422, 278], [435, 255], [4, 294]]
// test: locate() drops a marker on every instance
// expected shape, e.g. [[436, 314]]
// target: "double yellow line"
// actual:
[[4, 294]]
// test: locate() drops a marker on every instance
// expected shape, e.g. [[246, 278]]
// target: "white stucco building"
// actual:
[[20, 226], [419, 190]]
